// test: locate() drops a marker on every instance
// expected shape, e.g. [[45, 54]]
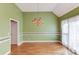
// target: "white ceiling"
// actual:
[[64, 8], [58, 8], [35, 7]]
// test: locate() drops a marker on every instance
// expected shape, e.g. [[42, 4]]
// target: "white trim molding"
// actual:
[[38, 41], [43, 33], [4, 39], [42, 39], [7, 53], [18, 29]]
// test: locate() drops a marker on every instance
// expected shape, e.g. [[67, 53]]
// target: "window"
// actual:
[[64, 25], [71, 26]]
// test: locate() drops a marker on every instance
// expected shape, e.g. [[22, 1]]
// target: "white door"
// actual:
[[13, 32]]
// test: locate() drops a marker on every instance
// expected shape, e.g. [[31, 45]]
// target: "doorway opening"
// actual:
[[13, 32], [14, 29]]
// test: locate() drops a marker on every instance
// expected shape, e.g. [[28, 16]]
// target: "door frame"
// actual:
[[18, 29]]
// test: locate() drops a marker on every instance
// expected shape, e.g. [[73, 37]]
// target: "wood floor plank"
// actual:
[[39, 48]]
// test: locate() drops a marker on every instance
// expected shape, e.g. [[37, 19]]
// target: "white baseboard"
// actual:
[[77, 52], [41, 41], [36, 41], [7, 53], [20, 43]]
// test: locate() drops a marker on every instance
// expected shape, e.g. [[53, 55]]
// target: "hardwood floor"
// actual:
[[39, 48]]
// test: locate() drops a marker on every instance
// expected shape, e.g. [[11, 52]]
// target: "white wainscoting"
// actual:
[[4, 40], [39, 33], [40, 36]]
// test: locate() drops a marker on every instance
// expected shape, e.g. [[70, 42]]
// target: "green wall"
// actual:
[[50, 24], [8, 10]]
